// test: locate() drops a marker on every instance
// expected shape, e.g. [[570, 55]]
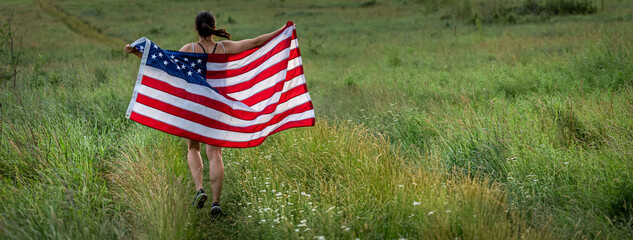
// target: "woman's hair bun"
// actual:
[[205, 23]]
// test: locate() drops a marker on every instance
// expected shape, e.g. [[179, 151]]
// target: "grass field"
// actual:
[[431, 124]]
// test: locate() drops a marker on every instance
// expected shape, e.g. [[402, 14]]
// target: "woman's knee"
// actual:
[[214, 153]]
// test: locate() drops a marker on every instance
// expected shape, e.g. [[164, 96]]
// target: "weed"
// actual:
[[475, 153], [573, 131], [155, 30], [231, 20], [528, 10], [369, 3], [10, 52]]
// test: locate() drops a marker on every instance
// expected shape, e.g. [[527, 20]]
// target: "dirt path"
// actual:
[[78, 26]]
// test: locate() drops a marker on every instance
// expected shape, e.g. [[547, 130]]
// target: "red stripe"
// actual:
[[217, 105], [269, 72], [150, 122], [283, 45], [212, 123], [296, 91], [269, 92], [222, 58], [272, 70]]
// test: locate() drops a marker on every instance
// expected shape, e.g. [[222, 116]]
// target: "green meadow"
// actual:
[[436, 119]]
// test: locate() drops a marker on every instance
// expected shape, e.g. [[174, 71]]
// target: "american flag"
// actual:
[[227, 100]]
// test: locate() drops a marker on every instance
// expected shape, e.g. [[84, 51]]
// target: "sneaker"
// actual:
[[216, 211], [201, 197]]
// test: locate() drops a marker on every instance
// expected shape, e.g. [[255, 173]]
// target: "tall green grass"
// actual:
[[55, 144], [427, 128], [330, 181]]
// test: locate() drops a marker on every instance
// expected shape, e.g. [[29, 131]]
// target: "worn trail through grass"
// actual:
[[77, 25]]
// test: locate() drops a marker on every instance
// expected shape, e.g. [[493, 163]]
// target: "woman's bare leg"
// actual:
[[216, 170], [195, 162]]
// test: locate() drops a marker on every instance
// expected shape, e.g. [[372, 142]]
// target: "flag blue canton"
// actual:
[[191, 67]]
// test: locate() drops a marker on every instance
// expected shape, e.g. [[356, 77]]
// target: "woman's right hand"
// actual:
[[129, 49], [136, 52]]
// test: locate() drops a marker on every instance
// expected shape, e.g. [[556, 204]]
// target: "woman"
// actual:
[[205, 26]]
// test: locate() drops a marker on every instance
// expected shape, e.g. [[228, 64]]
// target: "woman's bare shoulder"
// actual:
[[233, 47], [229, 45], [186, 48]]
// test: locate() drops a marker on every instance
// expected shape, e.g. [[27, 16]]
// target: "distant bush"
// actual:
[[515, 11], [557, 7]]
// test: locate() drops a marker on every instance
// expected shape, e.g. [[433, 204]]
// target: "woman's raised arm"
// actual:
[[243, 45]]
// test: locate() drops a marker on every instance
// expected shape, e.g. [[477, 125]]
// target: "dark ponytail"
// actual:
[[205, 23], [221, 33]]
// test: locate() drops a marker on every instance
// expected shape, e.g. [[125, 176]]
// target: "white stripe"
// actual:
[[208, 92], [294, 44], [212, 132], [263, 85], [275, 98], [139, 76], [246, 93], [219, 115]]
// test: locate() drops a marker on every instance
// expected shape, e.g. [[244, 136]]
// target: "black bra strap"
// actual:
[[205, 51], [214, 47]]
